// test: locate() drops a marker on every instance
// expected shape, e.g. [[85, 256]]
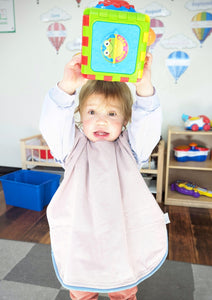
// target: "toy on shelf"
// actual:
[[193, 152], [196, 123], [190, 189], [114, 42]]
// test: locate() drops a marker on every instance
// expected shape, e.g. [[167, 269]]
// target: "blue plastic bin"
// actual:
[[29, 189]]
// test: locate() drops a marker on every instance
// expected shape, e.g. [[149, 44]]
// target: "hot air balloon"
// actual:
[[177, 63], [202, 26], [78, 2], [158, 28], [56, 34]]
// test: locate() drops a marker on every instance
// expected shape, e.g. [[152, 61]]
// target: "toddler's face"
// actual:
[[102, 120]]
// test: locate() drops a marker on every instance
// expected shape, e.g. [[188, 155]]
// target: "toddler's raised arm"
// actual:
[[145, 129], [57, 118], [72, 77], [57, 123]]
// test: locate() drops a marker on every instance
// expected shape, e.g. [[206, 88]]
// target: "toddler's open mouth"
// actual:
[[101, 134]]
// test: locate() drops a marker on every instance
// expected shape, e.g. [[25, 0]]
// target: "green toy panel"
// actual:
[[114, 44]]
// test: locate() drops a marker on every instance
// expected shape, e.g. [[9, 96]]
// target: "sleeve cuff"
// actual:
[[149, 103], [60, 97]]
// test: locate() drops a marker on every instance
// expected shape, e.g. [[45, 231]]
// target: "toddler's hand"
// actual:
[[72, 77], [144, 87]]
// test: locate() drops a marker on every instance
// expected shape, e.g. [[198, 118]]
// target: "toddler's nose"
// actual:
[[101, 120]]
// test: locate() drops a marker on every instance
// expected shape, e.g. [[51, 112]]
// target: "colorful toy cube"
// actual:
[[114, 43]]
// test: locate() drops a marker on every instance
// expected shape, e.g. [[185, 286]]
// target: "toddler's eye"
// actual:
[[91, 112], [112, 114]]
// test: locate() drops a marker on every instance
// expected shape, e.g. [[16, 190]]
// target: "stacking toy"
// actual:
[[114, 42]]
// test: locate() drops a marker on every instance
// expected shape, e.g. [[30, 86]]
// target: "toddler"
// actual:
[[107, 231]]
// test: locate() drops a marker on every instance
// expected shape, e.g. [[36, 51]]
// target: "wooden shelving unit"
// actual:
[[156, 186], [199, 173]]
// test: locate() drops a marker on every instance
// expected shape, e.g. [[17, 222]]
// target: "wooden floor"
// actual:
[[190, 230]]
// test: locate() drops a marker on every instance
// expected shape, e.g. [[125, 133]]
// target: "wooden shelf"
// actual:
[[184, 200], [181, 130], [156, 184], [199, 173], [191, 165], [149, 171]]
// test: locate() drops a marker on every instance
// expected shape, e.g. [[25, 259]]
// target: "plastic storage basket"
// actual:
[[29, 189]]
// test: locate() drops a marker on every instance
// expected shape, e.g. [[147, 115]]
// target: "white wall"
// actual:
[[29, 66]]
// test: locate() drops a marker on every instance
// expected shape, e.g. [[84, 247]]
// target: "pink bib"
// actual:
[[107, 231]]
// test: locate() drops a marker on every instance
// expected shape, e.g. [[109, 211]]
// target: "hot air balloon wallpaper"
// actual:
[[158, 28], [177, 63], [202, 26], [56, 34], [78, 2]]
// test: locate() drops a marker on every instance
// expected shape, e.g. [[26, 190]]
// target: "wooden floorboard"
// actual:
[[189, 233], [202, 234], [181, 243]]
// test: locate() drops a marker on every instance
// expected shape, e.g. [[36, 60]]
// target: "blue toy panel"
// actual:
[[101, 32]]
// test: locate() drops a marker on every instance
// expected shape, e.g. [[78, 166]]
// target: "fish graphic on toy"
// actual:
[[115, 48]]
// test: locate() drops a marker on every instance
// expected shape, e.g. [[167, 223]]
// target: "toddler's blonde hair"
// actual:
[[110, 90]]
